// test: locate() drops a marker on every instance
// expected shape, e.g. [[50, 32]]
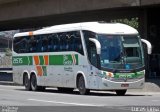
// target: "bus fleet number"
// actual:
[[17, 60]]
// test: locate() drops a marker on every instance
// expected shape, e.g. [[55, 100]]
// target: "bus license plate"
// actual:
[[124, 85]]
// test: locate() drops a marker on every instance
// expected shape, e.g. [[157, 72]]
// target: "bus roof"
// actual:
[[97, 27]]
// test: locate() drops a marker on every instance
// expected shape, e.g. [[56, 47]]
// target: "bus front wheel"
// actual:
[[121, 92], [81, 86]]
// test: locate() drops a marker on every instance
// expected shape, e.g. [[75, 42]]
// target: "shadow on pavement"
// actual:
[[92, 93]]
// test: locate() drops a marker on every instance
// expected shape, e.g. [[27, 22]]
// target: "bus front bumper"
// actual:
[[112, 85]]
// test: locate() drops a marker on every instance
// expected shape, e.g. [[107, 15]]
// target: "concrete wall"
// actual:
[[7, 1], [20, 13], [18, 9], [26, 12], [149, 2], [33, 8]]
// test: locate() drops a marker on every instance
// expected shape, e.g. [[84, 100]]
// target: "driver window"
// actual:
[[93, 54], [91, 48]]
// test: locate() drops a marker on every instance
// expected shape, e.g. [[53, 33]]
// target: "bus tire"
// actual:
[[34, 86], [121, 92], [81, 86], [26, 82]]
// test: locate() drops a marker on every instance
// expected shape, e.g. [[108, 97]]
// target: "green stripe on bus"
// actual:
[[138, 74], [62, 60], [53, 60], [30, 60], [128, 75], [22, 60], [56, 60]]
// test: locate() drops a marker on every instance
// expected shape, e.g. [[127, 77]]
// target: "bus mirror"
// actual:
[[149, 46], [97, 43]]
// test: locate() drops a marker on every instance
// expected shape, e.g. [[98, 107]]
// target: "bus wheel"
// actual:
[[34, 86], [27, 83], [81, 86], [121, 92]]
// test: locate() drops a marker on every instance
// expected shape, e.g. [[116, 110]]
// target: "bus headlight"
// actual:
[[109, 75], [106, 75]]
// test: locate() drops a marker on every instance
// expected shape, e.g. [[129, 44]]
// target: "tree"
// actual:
[[133, 22]]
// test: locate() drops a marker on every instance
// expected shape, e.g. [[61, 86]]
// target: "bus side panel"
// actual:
[[17, 75], [18, 72], [54, 76]]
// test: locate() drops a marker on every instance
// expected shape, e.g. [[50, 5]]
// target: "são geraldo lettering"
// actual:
[[66, 61]]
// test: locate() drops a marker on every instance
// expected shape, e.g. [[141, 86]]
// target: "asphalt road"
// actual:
[[18, 99]]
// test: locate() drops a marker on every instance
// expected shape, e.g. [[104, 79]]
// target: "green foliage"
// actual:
[[133, 22]]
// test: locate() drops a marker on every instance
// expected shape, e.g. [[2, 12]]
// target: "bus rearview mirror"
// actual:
[[149, 46], [97, 43]]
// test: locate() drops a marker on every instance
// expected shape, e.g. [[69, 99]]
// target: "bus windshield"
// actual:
[[120, 51]]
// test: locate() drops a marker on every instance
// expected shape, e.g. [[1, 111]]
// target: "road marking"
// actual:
[[79, 104]]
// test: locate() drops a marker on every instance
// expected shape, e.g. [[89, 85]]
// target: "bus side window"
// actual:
[[64, 42], [50, 43], [60, 42], [21, 44], [25, 47], [67, 42], [44, 47], [72, 43], [56, 44], [32, 45], [78, 43]]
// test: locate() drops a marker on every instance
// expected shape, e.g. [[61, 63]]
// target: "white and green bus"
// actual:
[[87, 56]]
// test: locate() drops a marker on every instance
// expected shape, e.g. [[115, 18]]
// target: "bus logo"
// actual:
[[69, 59], [66, 60]]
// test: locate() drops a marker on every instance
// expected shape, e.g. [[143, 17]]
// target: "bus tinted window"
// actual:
[[70, 41], [57, 42], [21, 44]]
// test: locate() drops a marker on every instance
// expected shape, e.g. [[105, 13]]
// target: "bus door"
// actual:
[[93, 67]]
